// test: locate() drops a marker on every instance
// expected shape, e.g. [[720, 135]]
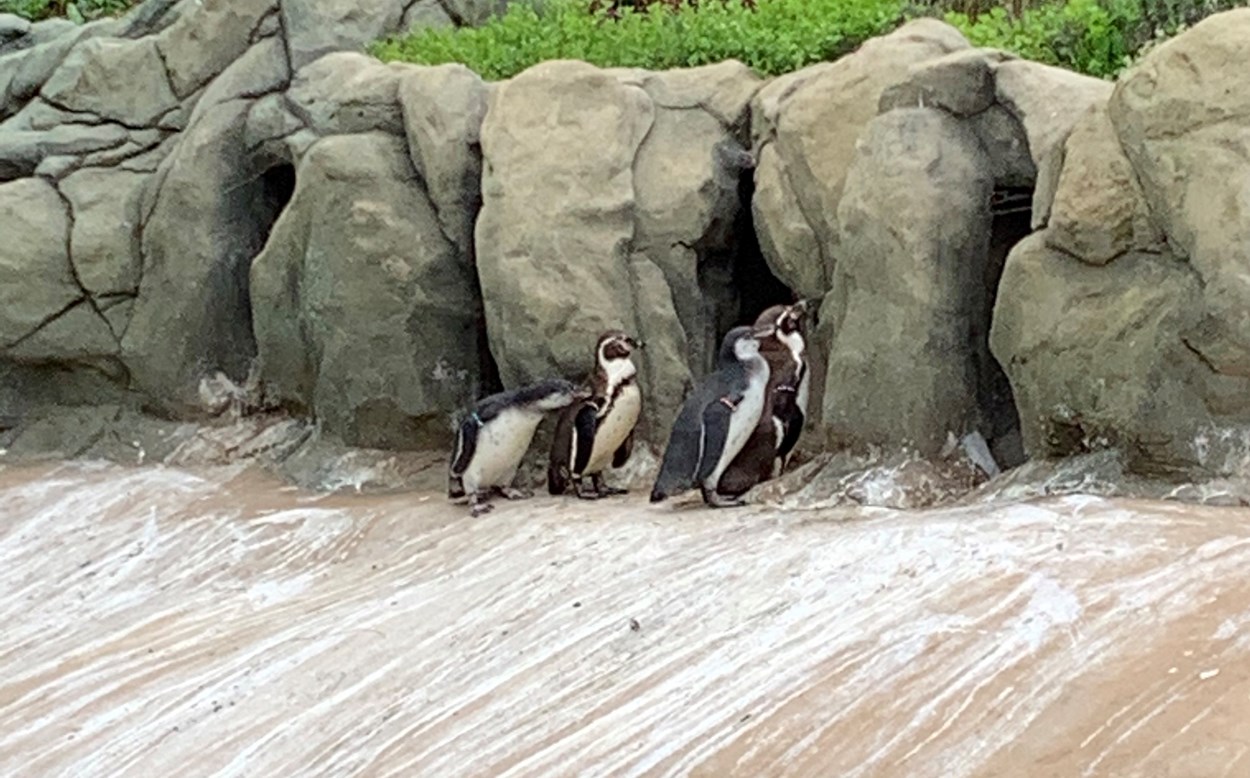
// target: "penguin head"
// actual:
[[616, 345], [554, 394], [742, 344]]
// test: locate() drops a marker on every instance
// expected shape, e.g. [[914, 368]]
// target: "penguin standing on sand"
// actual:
[[717, 419], [758, 459], [790, 401], [494, 436], [599, 430]]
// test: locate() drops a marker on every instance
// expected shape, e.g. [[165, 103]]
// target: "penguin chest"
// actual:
[[742, 423], [501, 444], [804, 389], [614, 427]]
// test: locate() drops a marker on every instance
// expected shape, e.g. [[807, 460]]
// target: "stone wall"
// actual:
[[220, 191]]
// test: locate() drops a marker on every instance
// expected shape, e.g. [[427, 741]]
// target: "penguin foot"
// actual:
[[510, 493], [584, 493], [478, 504], [717, 500], [604, 490]]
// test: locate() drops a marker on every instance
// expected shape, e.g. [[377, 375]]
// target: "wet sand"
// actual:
[[160, 621]]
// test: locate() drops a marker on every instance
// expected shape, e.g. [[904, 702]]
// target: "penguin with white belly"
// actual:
[[598, 431], [717, 419], [494, 436], [792, 412]]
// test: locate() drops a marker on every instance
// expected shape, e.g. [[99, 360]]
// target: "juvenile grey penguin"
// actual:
[[494, 436], [599, 430], [716, 419]]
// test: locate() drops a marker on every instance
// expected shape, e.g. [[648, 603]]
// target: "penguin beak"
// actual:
[[638, 344]]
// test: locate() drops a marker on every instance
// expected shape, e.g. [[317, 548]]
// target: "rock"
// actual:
[[961, 83], [607, 205], [811, 119], [259, 71], [207, 39], [1088, 374], [316, 28], [443, 108], [1124, 323], [908, 295], [36, 284], [51, 29], [21, 152], [269, 121], [12, 29], [348, 92], [1099, 212], [365, 313], [104, 240], [39, 114], [1046, 100], [122, 80], [556, 223], [1182, 117], [26, 71], [471, 13], [210, 208], [426, 13]]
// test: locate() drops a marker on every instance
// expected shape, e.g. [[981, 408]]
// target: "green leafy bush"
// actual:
[[1097, 37], [76, 10], [778, 37]]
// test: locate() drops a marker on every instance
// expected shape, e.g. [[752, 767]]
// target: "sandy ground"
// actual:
[[159, 622]]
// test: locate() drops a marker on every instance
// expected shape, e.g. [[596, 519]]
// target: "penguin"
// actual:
[[599, 430], [758, 459], [494, 436], [716, 420], [790, 405]]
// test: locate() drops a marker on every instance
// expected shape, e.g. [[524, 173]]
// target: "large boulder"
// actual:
[[908, 292], [208, 212], [121, 80], [45, 314], [929, 197], [1124, 323], [805, 126], [365, 313], [608, 202]]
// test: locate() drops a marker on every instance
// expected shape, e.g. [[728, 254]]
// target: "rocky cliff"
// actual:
[[227, 193]]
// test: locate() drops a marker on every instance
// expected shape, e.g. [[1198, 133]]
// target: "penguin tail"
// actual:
[[657, 494]]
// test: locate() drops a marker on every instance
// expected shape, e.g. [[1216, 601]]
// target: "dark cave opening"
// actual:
[[255, 211], [736, 284], [277, 188], [1011, 208]]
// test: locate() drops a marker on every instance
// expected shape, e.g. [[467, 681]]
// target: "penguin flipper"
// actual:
[[584, 426], [621, 456], [793, 422], [466, 444], [561, 446], [715, 432]]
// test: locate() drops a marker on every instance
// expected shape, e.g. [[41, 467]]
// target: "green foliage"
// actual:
[[778, 37], [1097, 37], [75, 10]]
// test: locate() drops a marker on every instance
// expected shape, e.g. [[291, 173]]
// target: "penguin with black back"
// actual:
[[598, 431], [790, 406], [757, 461], [716, 419], [493, 437]]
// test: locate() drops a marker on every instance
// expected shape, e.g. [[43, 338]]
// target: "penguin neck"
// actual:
[[794, 342], [615, 374]]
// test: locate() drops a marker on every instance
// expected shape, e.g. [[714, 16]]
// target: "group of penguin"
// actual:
[[737, 428]]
